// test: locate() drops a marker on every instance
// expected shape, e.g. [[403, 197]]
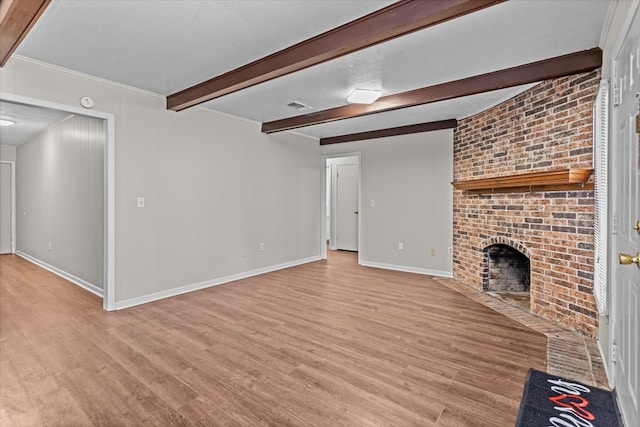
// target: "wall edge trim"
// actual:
[[408, 269], [132, 302], [61, 273]]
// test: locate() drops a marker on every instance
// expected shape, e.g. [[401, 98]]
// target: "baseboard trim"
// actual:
[[604, 347], [407, 269], [68, 276], [132, 302], [605, 364]]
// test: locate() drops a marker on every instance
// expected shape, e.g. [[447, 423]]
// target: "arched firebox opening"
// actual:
[[507, 270]]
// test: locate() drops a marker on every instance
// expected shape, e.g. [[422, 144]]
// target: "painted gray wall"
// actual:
[[409, 178], [60, 198], [7, 153], [215, 187]]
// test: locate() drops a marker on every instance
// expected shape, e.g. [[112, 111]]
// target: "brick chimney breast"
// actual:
[[547, 127]]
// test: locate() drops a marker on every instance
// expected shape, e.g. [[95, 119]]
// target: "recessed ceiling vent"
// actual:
[[298, 106]]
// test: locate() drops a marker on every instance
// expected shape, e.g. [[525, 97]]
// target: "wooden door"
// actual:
[[347, 188]]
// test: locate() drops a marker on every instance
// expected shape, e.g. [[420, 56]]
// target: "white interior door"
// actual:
[[6, 208], [347, 185], [626, 239]]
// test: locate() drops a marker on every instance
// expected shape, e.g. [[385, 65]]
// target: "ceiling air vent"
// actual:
[[298, 106]]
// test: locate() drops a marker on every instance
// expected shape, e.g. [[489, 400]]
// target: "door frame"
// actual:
[[323, 201], [108, 296], [12, 164], [335, 220]]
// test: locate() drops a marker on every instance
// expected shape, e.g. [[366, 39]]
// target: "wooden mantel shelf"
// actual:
[[556, 180]]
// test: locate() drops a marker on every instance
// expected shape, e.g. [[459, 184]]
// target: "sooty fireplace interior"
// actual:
[[507, 269]]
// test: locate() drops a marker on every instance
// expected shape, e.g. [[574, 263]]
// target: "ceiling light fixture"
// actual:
[[364, 96], [5, 122]]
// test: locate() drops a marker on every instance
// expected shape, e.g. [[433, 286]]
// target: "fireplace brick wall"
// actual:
[[545, 128]]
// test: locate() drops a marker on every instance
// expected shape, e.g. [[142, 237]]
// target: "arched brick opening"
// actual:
[[507, 265], [508, 270]]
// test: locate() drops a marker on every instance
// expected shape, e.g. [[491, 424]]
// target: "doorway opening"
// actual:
[[108, 191], [7, 206], [340, 212]]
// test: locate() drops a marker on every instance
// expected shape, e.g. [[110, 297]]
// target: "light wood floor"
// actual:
[[325, 344]]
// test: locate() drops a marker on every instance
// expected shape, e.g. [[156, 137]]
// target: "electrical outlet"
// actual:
[[262, 247], [400, 246], [450, 250], [433, 251]]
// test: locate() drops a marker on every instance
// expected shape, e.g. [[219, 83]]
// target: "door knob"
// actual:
[[630, 259], [355, 212], [637, 226]]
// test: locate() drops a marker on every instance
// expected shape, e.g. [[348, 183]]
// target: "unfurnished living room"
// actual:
[[320, 213]]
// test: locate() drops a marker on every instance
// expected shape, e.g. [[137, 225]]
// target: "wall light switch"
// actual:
[[373, 203], [400, 246], [141, 202]]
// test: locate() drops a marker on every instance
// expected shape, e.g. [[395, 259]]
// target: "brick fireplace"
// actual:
[[545, 128]]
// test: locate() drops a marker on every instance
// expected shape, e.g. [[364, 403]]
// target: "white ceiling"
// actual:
[[164, 46], [30, 121]]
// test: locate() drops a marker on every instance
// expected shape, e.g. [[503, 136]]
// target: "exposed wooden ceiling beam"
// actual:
[[17, 17], [393, 21], [382, 133], [564, 65]]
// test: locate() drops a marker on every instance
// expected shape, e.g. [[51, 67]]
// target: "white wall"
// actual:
[[409, 178], [60, 198], [8, 153], [215, 187]]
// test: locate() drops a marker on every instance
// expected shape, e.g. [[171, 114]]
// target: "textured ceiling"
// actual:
[[30, 121], [166, 46]]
